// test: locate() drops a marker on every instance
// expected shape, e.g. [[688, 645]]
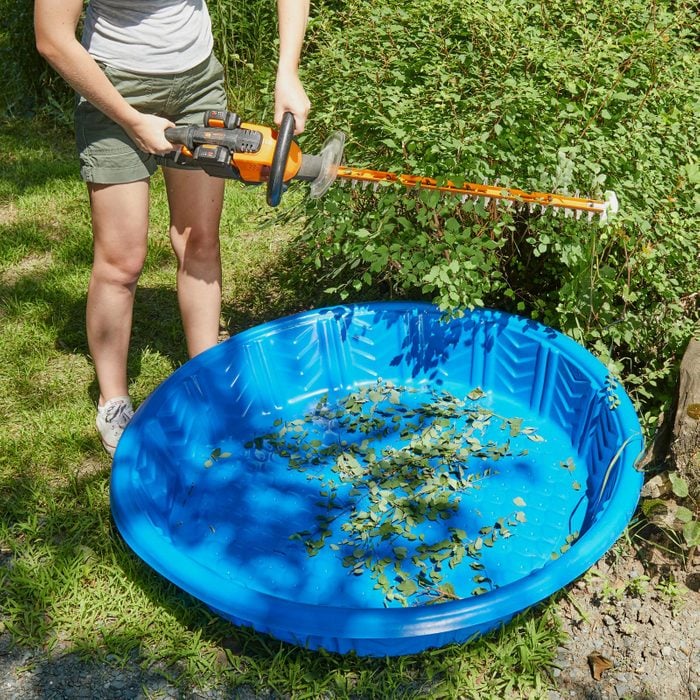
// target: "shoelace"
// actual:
[[118, 413]]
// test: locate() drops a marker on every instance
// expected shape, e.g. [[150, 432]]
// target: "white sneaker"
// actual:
[[112, 418]]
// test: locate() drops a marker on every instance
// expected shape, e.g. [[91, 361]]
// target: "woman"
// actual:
[[140, 68]]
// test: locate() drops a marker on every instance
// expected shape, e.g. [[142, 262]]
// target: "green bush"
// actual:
[[245, 42], [579, 95], [29, 85]]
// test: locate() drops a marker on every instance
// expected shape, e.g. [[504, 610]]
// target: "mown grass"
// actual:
[[68, 583]]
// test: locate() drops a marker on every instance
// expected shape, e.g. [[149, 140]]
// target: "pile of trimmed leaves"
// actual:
[[386, 470]]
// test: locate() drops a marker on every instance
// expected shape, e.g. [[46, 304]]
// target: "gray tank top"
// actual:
[[151, 37]]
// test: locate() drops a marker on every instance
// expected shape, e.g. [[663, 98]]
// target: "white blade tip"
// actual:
[[612, 205]]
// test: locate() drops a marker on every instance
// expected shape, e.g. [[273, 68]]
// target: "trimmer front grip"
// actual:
[[276, 178]]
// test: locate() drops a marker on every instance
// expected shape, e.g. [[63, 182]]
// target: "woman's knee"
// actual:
[[196, 243], [123, 268], [120, 230]]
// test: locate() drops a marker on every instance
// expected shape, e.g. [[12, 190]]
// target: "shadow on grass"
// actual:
[[156, 324], [40, 153], [280, 287]]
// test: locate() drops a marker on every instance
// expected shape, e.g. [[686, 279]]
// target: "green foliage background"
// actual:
[[569, 96], [26, 79]]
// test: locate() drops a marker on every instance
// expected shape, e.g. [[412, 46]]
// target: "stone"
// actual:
[[622, 690], [658, 486]]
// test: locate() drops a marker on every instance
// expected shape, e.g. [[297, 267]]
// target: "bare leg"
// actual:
[[120, 230], [196, 200]]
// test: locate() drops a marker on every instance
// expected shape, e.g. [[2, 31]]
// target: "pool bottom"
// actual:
[[518, 500]]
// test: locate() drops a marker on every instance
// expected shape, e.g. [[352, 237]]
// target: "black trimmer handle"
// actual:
[[237, 140], [275, 183], [181, 135]]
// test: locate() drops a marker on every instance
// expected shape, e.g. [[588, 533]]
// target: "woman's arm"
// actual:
[[289, 92], [55, 24]]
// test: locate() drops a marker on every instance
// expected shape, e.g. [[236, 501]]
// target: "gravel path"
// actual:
[[30, 675], [650, 638]]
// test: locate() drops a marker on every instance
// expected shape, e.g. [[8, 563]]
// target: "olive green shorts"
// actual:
[[107, 155]]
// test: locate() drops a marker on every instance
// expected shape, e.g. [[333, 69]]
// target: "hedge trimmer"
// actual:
[[227, 147]]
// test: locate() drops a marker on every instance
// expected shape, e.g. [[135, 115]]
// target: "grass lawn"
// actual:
[[67, 580]]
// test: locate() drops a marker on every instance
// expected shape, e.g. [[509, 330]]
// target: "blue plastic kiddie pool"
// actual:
[[377, 479]]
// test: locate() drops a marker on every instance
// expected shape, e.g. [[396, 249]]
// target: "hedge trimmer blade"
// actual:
[[572, 206], [226, 147]]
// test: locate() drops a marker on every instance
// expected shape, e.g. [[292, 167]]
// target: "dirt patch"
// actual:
[[90, 468], [8, 214], [25, 267], [634, 629]]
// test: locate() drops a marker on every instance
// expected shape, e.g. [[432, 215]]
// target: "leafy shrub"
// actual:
[[28, 82], [579, 95], [245, 42]]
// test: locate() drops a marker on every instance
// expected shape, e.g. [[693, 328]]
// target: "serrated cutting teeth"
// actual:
[[572, 206]]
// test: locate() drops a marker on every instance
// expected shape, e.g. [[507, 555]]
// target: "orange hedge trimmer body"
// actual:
[[227, 147]]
